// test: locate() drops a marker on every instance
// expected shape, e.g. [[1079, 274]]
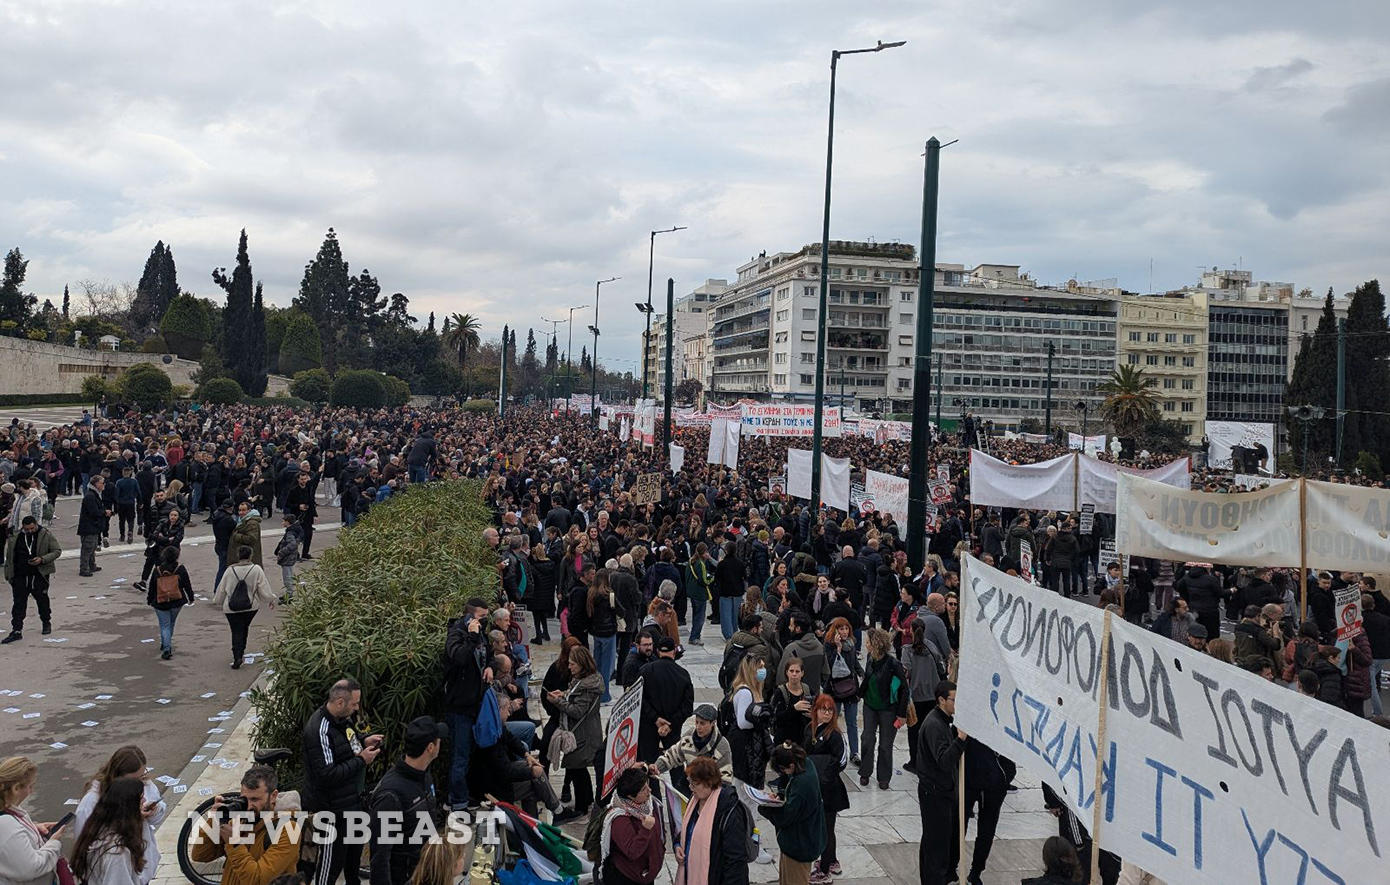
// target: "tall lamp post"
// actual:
[[647, 308], [1083, 408], [825, 270], [569, 348], [593, 358], [1306, 415]]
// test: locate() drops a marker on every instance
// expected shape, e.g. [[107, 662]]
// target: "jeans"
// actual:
[[240, 622], [697, 617], [1376, 667], [349, 519], [287, 577], [461, 737], [523, 730], [1064, 582], [851, 710], [196, 503], [878, 730], [419, 474], [166, 627], [728, 615], [605, 656]]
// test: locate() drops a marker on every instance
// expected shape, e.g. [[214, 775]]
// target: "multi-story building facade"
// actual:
[[1305, 310], [690, 323], [1166, 337], [1248, 346]]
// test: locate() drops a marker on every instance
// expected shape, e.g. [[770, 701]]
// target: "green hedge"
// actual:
[[480, 405], [375, 608], [221, 392], [146, 386], [313, 385], [44, 399], [291, 401], [397, 391], [361, 388]]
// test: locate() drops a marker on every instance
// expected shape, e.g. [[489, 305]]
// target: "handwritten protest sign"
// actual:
[[784, 419], [648, 489], [1209, 773]]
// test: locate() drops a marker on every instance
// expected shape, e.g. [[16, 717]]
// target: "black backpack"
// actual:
[[240, 600], [728, 669]]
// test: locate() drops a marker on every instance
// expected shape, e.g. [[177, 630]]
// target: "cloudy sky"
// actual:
[[499, 159]]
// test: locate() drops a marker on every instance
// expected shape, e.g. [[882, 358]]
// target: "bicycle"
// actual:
[[210, 873]]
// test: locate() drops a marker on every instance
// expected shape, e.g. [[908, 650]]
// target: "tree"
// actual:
[[324, 294], [398, 312], [462, 337], [66, 302], [430, 327], [359, 388], [1314, 382], [210, 366], [584, 366], [238, 320], [15, 306], [1367, 424], [1162, 436], [257, 356], [221, 392], [397, 391], [362, 318], [146, 386], [157, 289], [441, 378], [313, 385], [529, 376], [186, 327], [300, 349], [1130, 403], [688, 391], [1030, 425]]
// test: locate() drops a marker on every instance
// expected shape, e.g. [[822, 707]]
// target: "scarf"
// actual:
[[695, 870], [620, 807]]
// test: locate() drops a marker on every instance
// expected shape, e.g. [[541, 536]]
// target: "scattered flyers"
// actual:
[[98, 597], [208, 694], [63, 639], [199, 759], [58, 745], [118, 581], [211, 746], [147, 640], [225, 713], [38, 696], [90, 723], [87, 706], [103, 697], [204, 791], [163, 701], [32, 715], [127, 555], [11, 709], [166, 780], [180, 788], [72, 597], [70, 802], [216, 730], [245, 694]]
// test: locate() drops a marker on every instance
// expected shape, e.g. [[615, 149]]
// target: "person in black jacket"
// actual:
[[987, 779], [90, 521], [223, 522], [726, 842], [729, 587], [540, 600], [852, 576], [467, 671], [335, 774], [401, 801], [939, 747], [1204, 593], [1074, 832], [301, 502], [668, 700]]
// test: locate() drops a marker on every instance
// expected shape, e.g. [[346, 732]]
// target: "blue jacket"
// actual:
[[127, 490]]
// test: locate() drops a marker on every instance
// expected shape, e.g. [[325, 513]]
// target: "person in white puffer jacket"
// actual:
[[127, 761], [29, 851]]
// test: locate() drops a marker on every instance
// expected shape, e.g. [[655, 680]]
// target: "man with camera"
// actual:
[[335, 777], [251, 857], [467, 672]]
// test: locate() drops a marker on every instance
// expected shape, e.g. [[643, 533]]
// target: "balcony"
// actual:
[[740, 366], [840, 319], [856, 340], [732, 326]]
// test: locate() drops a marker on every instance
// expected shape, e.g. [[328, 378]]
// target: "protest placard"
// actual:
[[1088, 518], [648, 489], [620, 749], [889, 493], [1207, 773], [786, 419]]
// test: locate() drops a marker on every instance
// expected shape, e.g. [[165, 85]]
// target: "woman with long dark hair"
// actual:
[[578, 708], [540, 601], [127, 762], [602, 616], [170, 589], [111, 849]]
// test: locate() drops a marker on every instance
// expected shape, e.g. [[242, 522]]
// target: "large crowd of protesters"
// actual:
[[831, 642]]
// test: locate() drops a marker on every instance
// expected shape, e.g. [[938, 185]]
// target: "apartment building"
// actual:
[[1166, 337], [1305, 309], [690, 323], [1247, 344]]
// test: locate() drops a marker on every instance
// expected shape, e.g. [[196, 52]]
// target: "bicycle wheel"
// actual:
[[209, 873]]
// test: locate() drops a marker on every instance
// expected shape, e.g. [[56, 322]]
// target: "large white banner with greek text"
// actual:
[[1047, 485], [1098, 479], [1210, 773], [788, 419], [1250, 528], [1348, 527], [888, 493]]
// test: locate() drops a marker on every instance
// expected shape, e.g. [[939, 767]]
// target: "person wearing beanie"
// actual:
[[702, 738]]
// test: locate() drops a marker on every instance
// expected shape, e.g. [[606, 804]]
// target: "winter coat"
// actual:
[[815, 665], [256, 583], [800, 820], [684, 750], [1356, 686], [829, 753], [46, 547], [628, 592], [1018, 533], [728, 577], [540, 601], [1253, 641], [1065, 550], [579, 709], [1329, 681], [728, 863], [334, 773], [185, 585], [91, 519], [881, 672], [922, 674], [465, 659], [246, 534], [668, 693], [1202, 590], [1377, 626]]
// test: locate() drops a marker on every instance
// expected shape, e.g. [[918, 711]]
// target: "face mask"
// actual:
[[762, 673]]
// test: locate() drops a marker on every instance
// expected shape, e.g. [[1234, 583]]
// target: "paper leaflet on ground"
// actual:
[[1212, 774]]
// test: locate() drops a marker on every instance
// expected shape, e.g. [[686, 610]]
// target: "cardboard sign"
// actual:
[[940, 491], [1025, 561], [943, 473], [776, 485], [620, 750], [1088, 518], [648, 489]]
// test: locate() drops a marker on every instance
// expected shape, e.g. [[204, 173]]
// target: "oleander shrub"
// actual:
[[361, 388]]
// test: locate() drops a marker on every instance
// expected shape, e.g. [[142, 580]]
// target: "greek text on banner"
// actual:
[[1163, 522]]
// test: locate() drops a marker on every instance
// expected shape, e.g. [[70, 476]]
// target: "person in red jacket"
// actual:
[[634, 841]]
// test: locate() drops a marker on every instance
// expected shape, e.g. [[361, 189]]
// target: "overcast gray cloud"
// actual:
[[498, 158]]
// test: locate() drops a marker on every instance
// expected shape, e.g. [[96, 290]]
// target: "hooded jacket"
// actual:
[[815, 665]]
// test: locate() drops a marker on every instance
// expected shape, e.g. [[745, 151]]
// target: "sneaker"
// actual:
[[566, 815], [695, 642], [105, 542], [96, 568], [84, 574], [836, 869], [853, 758], [820, 878], [14, 636], [47, 629], [166, 654], [138, 585]]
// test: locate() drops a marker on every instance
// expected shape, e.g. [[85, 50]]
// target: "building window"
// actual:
[[779, 379], [1189, 339], [835, 273], [783, 315], [808, 358], [809, 292], [905, 340], [1187, 407], [1134, 359], [1151, 360], [784, 293], [1170, 361], [808, 336], [1169, 383], [1133, 336], [1189, 384], [905, 361], [1189, 362], [905, 319], [807, 379], [808, 313], [905, 297], [863, 273], [1152, 337], [1168, 406], [903, 383], [1170, 337], [780, 357]]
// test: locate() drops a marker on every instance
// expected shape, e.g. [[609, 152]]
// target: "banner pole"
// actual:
[[1302, 551], [1100, 744], [1076, 478], [961, 870]]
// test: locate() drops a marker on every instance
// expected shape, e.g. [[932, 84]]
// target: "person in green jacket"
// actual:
[[800, 819], [29, 566]]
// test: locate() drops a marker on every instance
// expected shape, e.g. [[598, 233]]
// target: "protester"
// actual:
[[800, 818], [402, 801], [336, 757], [467, 674], [746, 720], [29, 567], [578, 707], [257, 859], [940, 747], [127, 762], [90, 520], [713, 832], [884, 692], [169, 591], [845, 675], [634, 838], [826, 749], [702, 739], [111, 849], [668, 700], [30, 852], [442, 862], [602, 619], [287, 554], [241, 593]]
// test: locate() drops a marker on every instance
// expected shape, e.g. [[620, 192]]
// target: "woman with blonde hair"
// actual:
[[1222, 650], [441, 861], [750, 737], [29, 852]]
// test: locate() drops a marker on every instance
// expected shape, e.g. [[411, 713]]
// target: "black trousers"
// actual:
[[939, 854], [240, 622], [23, 588], [827, 857], [922, 708], [991, 801], [308, 535], [339, 857]]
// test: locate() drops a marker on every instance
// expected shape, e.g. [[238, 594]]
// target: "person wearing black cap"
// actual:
[[1197, 637], [703, 739], [401, 801], [668, 699]]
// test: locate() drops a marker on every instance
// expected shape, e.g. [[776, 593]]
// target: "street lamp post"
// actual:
[[825, 271], [1081, 405], [593, 358], [569, 349], [647, 308], [1306, 415]]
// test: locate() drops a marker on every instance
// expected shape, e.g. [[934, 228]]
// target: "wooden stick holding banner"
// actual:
[[1100, 743], [961, 870], [1302, 550]]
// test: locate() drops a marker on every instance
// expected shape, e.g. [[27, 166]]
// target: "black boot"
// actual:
[[47, 627], [14, 636]]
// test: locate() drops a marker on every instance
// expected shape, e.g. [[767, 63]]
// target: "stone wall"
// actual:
[[37, 367]]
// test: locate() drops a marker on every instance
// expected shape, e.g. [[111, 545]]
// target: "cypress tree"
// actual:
[[66, 302], [430, 327], [1368, 374], [1314, 383], [324, 295], [15, 306], [238, 318], [259, 362]]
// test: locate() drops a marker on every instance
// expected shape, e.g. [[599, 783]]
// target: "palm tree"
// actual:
[[1130, 402], [460, 334]]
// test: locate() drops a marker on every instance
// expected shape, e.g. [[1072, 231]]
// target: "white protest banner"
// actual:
[[1209, 773], [716, 441], [1226, 435], [1097, 479], [799, 473], [888, 492], [834, 482], [603, 420], [732, 430], [620, 750], [624, 431], [1091, 445], [1251, 481], [677, 456], [1348, 527], [1162, 522], [788, 419], [1047, 485]]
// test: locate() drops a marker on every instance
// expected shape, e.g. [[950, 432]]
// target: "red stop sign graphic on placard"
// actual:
[[622, 741]]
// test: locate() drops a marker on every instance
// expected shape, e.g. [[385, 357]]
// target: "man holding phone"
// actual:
[[253, 859], [335, 776], [29, 566]]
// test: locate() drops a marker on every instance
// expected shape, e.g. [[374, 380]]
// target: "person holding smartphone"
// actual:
[[127, 762], [29, 852], [336, 757]]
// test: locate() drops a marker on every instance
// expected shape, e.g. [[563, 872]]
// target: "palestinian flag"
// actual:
[[674, 803], [554, 856]]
